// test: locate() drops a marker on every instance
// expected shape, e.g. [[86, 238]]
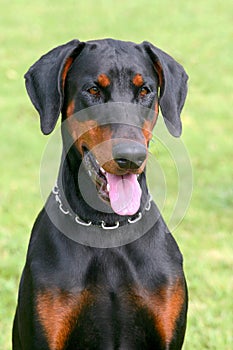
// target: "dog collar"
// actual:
[[132, 220]]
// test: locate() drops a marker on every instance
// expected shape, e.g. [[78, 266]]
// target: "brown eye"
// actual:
[[94, 91], [144, 91]]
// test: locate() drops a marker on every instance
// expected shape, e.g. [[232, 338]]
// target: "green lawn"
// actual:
[[199, 34]]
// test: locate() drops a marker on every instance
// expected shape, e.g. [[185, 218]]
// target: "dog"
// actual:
[[106, 274]]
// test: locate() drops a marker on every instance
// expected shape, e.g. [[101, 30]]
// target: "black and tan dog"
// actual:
[[78, 296]]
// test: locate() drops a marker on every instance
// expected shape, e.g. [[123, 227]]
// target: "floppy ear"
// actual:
[[173, 87], [45, 82]]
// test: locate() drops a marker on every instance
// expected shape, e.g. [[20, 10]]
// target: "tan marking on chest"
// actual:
[[58, 313], [165, 306]]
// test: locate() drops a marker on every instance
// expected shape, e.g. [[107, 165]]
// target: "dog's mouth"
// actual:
[[122, 192]]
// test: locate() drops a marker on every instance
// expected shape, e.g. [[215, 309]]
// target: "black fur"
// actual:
[[118, 279]]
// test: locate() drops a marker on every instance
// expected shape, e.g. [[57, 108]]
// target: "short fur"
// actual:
[[74, 296]]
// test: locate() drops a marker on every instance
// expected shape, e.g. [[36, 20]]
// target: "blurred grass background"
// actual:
[[199, 35]]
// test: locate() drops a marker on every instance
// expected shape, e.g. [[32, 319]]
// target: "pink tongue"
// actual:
[[124, 193]]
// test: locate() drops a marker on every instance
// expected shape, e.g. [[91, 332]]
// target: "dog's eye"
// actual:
[[144, 91], [94, 91]]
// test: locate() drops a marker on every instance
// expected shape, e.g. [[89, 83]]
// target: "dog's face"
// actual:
[[114, 152], [104, 74], [117, 84]]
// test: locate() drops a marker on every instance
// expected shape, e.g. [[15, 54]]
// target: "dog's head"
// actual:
[[109, 93]]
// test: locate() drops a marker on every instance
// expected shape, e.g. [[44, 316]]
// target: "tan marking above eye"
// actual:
[[138, 80], [103, 80]]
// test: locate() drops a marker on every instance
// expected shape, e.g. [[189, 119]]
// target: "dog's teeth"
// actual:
[[137, 175], [97, 161], [89, 172], [102, 170], [108, 187]]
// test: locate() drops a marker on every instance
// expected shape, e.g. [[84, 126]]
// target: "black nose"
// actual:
[[129, 155]]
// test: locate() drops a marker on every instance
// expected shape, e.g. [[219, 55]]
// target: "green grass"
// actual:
[[199, 35]]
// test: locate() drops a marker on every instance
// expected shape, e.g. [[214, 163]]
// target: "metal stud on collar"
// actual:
[[148, 206], [138, 217], [81, 222], [105, 227], [58, 200]]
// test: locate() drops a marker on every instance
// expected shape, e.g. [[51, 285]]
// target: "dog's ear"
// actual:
[[173, 87], [45, 82]]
